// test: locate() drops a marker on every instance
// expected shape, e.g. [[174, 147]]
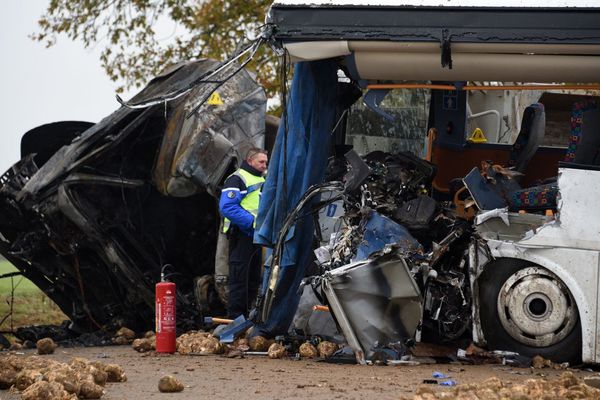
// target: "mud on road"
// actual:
[[254, 377]]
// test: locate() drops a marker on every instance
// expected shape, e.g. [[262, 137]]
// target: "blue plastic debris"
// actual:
[[230, 332], [449, 382], [380, 231], [439, 375]]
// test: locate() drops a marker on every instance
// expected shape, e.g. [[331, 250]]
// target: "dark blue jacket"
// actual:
[[234, 190]]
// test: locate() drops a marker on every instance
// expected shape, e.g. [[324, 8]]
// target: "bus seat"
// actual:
[[533, 127], [584, 142]]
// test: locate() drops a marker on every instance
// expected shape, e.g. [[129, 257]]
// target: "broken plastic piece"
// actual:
[[477, 136], [501, 213], [323, 255], [402, 362], [233, 330], [439, 375], [359, 171], [373, 99], [449, 382]]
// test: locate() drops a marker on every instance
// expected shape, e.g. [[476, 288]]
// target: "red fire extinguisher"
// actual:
[[165, 315]]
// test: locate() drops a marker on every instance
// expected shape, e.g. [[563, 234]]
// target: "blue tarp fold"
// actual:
[[310, 119]]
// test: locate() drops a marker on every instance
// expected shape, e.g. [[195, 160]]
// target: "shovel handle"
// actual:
[[215, 320]]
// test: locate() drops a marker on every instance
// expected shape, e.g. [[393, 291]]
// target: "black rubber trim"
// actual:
[[476, 25], [569, 165]]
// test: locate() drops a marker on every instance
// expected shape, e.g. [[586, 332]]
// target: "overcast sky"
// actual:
[[41, 85]]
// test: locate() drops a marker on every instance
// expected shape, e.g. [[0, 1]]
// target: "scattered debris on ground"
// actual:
[[241, 344], [143, 345], [541, 362], [43, 390], [147, 343], [567, 386], [169, 384], [16, 346], [115, 373], [45, 346], [124, 336], [258, 343], [307, 350], [326, 349], [42, 378], [62, 335], [199, 343], [276, 350]]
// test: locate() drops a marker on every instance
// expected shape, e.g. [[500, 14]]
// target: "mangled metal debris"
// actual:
[[383, 286], [390, 278]]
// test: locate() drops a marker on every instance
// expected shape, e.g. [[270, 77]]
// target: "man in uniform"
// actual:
[[239, 206]]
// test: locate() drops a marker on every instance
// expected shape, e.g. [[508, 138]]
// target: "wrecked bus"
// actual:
[[486, 227]]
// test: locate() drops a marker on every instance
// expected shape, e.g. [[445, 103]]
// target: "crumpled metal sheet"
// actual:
[[376, 303], [204, 140]]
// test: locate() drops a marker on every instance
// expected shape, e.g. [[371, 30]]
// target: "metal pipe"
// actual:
[[11, 274], [488, 112], [481, 87]]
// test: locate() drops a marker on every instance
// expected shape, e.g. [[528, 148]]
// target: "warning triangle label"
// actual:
[[215, 99], [477, 136]]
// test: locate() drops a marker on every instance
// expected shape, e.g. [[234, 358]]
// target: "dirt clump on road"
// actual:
[[43, 390], [45, 346], [276, 350], [144, 344], [258, 343], [307, 350], [123, 336], [326, 349], [115, 373], [42, 378], [566, 386], [169, 384]]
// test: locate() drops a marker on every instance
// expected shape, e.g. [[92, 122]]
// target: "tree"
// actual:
[[127, 31]]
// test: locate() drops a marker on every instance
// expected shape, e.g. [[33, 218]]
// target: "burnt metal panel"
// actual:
[[92, 226]]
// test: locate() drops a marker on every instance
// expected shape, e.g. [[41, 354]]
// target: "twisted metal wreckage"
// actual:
[[93, 211]]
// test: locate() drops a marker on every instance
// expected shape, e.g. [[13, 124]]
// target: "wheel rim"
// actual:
[[536, 308]]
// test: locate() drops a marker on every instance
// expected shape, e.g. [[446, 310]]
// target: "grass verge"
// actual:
[[30, 306]]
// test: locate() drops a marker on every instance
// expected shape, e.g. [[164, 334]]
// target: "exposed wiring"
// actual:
[[503, 135], [205, 78], [164, 276], [162, 270], [255, 46], [270, 291], [82, 292], [339, 120]]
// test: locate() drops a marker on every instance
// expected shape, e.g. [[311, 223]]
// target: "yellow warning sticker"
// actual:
[[215, 99], [477, 136]]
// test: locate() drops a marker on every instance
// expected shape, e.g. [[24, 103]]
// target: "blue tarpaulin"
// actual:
[[310, 119]]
